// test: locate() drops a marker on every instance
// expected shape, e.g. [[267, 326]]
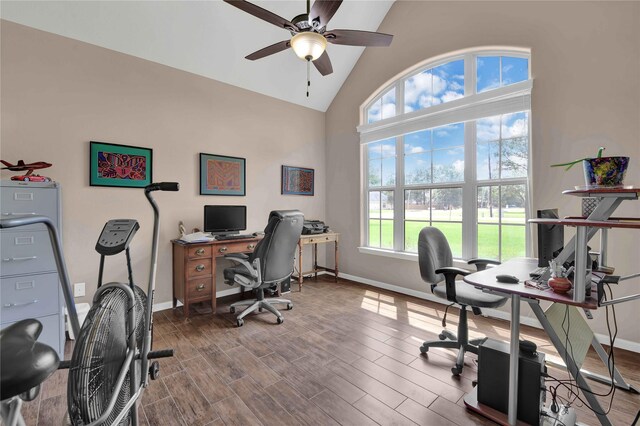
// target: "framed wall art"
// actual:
[[222, 175], [297, 180], [119, 165]]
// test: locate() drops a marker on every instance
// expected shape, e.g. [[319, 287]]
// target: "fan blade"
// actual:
[[324, 10], [323, 64], [269, 50], [358, 38], [263, 14]]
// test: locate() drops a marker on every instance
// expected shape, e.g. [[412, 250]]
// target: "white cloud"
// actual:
[[389, 110], [451, 96], [458, 165]]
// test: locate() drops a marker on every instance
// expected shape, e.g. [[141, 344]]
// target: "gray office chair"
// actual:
[[270, 263], [435, 260]]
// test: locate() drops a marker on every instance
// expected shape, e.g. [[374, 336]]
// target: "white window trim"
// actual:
[[503, 100]]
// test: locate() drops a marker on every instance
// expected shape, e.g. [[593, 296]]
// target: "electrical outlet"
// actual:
[[78, 290]]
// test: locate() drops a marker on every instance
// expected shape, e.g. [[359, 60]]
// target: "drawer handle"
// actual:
[[15, 305], [251, 246], [17, 259], [200, 251], [200, 287], [200, 268], [222, 249]]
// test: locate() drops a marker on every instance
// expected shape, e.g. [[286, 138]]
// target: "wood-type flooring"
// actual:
[[347, 354]]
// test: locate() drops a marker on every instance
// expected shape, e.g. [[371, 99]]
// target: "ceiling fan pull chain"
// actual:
[[308, 76]]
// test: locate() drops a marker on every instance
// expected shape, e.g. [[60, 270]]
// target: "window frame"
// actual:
[[512, 98]]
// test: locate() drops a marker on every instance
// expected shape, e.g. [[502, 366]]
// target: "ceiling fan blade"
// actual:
[[324, 10], [263, 14], [323, 64], [358, 38], [269, 50]]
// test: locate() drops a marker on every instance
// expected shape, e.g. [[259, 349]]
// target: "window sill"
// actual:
[[458, 263]]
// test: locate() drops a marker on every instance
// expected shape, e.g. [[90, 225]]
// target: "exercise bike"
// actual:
[[110, 366]]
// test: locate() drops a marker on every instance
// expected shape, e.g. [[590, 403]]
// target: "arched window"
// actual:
[[446, 144]]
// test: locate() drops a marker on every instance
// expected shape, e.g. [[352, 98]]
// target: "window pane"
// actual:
[[388, 147], [446, 204], [411, 231], [374, 150], [515, 125], [515, 155], [488, 205], [417, 204], [374, 204], [448, 165], [417, 168], [389, 104], [389, 171], [374, 233], [386, 234], [488, 75], [513, 204], [375, 111], [488, 129], [488, 244], [448, 136], [418, 92], [375, 173], [417, 142], [453, 232], [448, 82], [386, 204], [513, 242], [487, 161], [514, 70]]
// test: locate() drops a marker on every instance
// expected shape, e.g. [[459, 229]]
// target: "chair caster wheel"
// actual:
[[154, 370], [456, 370], [280, 320], [240, 322], [424, 349], [232, 310], [441, 336], [289, 306]]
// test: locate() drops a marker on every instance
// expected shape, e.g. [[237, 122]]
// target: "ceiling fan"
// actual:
[[309, 33]]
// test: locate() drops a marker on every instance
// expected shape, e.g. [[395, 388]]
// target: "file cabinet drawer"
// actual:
[[50, 332], [25, 252], [198, 268], [17, 201], [29, 297], [199, 288]]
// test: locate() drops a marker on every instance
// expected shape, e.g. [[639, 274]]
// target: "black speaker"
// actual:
[[493, 380], [285, 286]]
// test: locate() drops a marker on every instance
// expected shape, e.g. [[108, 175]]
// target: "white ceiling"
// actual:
[[209, 38]]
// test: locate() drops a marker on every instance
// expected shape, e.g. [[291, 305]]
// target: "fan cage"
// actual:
[[98, 355]]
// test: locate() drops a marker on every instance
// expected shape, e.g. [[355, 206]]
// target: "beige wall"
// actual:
[[585, 66], [58, 94]]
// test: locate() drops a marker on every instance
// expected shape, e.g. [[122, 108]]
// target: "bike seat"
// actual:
[[25, 362]]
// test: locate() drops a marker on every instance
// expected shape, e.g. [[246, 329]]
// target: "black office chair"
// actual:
[[270, 263], [435, 260]]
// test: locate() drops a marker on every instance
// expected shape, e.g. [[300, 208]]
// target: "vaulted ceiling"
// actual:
[[208, 38]]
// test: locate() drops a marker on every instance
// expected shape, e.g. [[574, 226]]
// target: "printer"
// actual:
[[313, 227]]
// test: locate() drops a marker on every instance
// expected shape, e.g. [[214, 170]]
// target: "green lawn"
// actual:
[[513, 237]]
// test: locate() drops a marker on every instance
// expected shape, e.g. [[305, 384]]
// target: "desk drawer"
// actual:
[[198, 251], [29, 201], [320, 238], [25, 252], [29, 297], [239, 247], [198, 268], [199, 288]]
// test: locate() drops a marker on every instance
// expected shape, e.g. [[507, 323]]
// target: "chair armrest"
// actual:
[[450, 274], [233, 256], [447, 270], [481, 264]]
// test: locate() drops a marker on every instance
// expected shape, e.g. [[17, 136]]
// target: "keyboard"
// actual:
[[233, 237], [538, 272]]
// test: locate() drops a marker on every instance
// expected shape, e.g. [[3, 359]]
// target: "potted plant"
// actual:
[[601, 171]]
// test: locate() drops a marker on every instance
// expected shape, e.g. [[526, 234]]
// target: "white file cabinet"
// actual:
[[28, 275]]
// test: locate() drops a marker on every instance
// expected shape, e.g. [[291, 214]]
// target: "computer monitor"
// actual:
[[550, 238], [223, 220]]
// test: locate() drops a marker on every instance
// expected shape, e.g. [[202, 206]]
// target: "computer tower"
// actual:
[[493, 380], [285, 286]]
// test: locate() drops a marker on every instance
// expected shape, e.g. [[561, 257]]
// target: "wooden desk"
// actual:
[[520, 268], [194, 269], [316, 239]]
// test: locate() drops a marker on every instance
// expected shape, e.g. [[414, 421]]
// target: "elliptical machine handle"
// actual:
[[162, 186]]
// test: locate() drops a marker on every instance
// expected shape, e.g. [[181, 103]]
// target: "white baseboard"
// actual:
[[603, 339]]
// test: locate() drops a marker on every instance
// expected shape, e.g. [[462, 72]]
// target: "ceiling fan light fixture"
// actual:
[[308, 45]]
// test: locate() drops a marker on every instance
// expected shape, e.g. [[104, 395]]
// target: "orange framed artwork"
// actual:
[[222, 175]]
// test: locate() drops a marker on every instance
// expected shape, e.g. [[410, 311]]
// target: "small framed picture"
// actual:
[[222, 175], [120, 165], [297, 180]]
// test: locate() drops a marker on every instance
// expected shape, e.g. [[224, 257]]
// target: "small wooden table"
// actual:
[[316, 239], [194, 268]]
